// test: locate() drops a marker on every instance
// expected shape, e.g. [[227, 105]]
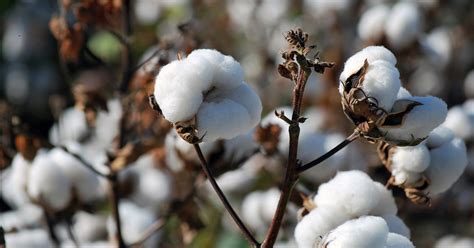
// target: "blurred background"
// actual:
[[46, 67]]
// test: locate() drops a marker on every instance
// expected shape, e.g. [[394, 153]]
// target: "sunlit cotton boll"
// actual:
[[371, 25], [403, 26], [208, 86], [366, 199], [420, 121], [14, 186], [29, 238], [259, 207], [366, 231], [48, 183], [408, 162]]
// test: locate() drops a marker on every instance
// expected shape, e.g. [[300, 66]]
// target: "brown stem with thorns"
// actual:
[[327, 155], [222, 197]]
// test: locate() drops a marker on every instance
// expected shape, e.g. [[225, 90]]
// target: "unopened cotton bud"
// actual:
[[403, 26], [208, 86], [48, 183]]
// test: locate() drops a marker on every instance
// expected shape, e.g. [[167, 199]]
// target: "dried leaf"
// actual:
[[401, 108]]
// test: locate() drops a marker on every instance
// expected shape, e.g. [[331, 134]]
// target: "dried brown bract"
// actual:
[[70, 38], [268, 137], [103, 13]]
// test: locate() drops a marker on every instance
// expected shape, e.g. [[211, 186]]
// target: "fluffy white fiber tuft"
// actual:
[[411, 158], [209, 86], [395, 240], [420, 121]]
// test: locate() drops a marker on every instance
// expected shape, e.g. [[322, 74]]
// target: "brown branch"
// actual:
[[327, 155], [126, 49], [291, 175], [154, 54], [114, 199], [223, 198], [50, 227]]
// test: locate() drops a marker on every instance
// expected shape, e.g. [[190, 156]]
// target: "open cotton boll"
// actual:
[[372, 22], [270, 12], [340, 191], [71, 126], [372, 54], [454, 241], [29, 238], [317, 223], [382, 82], [437, 45], [242, 178], [366, 231], [469, 84], [386, 204], [89, 227], [48, 183], [420, 121], [396, 225], [251, 215], [25, 217], [403, 26], [84, 181], [316, 118], [147, 11], [395, 240], [14, 186], [209, 86], [323, 7], [134, 221], [458, 121], [154, 188], [448, 162], [411, 158], [439, 136], [270, 202]]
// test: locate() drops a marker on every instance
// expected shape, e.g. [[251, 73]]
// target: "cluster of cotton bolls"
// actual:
[[342, 216], [381, 88]]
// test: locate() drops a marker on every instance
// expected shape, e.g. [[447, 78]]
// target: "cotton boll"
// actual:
[[26, 216], [372, 22], [270, 202], [448, 162], [469, 84], [386, 204], [458, 121], [28, 238], [154, 188], [382, 81], [209, 86], [270, 12], [366, 231], [403, 26], [426, 80], [135, 221], [71, 126], [420, 121], [438, 46], [147, 11], [89, 227], [439, 136], [315, 119], [396, 225], [454, 241], [48, 183], [15, 185], [395, 240], [239, 148], [323, 7], [317, 223], [84, 181], [340, 191], [372, 54], [251, 206], [411, 158]]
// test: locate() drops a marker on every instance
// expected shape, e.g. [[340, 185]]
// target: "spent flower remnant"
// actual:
[[206, 98], [372, 97]]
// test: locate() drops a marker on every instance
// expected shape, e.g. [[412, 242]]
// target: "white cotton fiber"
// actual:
[[209, 86], [353, 190], [89, 227], [439, 136], [403, 25], [420, 121], [15, 186], [29, 238], [372, 22], [438, 46], [366, 231], [386, 204], [448, 162], [48, 183], [458, 121], [25, 217], [396, 225], [84, 181], [250, 212], [395, 240], [372, 54], [411, 158], [382, 82], [403, 93], [469, 84], [317, 223]]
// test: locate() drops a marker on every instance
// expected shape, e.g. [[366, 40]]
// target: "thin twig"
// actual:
[[224, 200], [137, 67], [2, 238], [291, 175], [327, 155], [94, 57], [114, 199], [50, 226], [70, 231], [85, 163], [126, 49]]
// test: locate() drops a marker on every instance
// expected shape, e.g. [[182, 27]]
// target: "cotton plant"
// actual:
[[338, 208]]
